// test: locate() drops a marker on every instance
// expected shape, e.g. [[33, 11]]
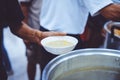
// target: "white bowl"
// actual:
[[59, 44]]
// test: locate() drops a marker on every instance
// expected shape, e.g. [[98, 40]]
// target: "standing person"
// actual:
[[97, 32], [70, 16], [11, 15], [31, 10]]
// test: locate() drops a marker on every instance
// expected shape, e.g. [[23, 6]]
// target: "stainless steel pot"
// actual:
[[84, 64], [112, 40]]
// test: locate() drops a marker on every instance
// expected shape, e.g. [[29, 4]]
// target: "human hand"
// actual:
[[111, 12], [39, 35], [51, 33]]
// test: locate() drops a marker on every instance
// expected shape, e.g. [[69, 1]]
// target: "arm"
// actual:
[[111, 12], [26, 33], [106, 8], [22, 30], [32, 35], [24, 7]]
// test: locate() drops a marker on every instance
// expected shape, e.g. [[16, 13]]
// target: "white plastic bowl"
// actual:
[[65, 44]]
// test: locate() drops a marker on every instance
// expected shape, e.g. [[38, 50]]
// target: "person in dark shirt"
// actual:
[[11, 15]]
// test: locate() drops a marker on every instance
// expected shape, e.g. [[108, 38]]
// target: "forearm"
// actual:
[[111, 12], [32, 35], [27, 33]]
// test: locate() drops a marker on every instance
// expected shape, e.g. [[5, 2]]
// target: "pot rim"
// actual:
[[111, 23], [57, 60]]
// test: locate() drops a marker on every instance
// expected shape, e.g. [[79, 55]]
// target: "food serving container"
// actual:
[[58, 45], [112, 39], [84, 64]]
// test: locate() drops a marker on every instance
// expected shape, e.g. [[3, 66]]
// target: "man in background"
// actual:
[[31, 10]]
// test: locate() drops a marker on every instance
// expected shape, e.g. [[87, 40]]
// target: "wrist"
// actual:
[[38, 34]]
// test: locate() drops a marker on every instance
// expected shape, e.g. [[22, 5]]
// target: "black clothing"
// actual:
[[43, 57], [10, 15]]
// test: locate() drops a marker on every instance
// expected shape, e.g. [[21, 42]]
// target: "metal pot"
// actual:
[[112, 40], [84, 64]]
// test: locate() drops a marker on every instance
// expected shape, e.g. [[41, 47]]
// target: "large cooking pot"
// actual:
[[84, 64]]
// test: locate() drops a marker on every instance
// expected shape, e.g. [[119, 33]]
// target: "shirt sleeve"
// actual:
[[15, 15], [94, 6]]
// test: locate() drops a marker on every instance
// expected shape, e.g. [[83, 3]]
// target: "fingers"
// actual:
[[46, 34], [58, 34], [40, 35]]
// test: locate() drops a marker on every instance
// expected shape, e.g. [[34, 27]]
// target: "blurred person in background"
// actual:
[[31, 10], [96, 29], [11, 15], [70, 16]]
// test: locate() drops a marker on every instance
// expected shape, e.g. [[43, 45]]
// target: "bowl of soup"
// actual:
[[59, 44]]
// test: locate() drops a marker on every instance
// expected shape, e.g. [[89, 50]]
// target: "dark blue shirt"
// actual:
[[10, 15]]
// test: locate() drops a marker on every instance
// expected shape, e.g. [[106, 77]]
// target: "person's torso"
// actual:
[[64, 15], [69, 15], [10, 13]]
